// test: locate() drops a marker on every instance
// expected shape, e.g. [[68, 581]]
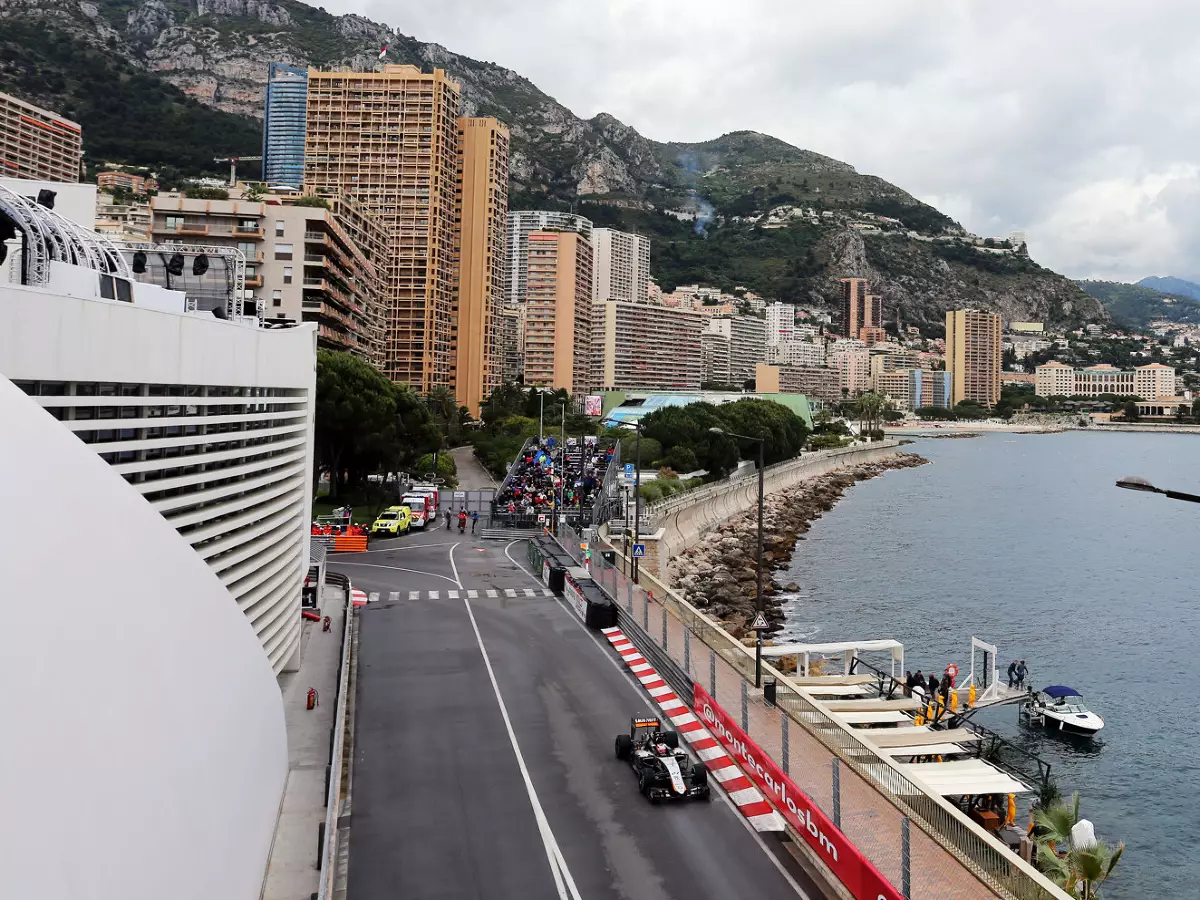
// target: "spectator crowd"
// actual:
[[536, 483]]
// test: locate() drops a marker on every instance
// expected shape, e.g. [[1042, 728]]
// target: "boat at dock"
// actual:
[[1060, 708]]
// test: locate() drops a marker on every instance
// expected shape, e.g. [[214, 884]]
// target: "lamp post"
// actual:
[[758, 597], [637, 497], [562, 472], [1133, 483]]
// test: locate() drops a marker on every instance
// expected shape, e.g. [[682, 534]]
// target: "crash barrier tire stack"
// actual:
[[914, 838], [327, 836]]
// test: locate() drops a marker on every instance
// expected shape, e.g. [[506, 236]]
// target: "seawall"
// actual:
[[679, 522]]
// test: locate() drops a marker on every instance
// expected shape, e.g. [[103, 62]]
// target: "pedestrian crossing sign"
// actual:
[[639, 551], [759, 623]]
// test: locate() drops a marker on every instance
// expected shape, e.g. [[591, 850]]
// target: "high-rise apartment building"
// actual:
[[283, 125], [781, 323], [636, 345], [38, 144], [558, 311], [523, 223], [512, 342], [862, 313], [747, 337], [973, 355], [389, 140], [853, 366], [714, 358], [796, 353], [815, 382], [483, 234], [622, 266], [928, 387]]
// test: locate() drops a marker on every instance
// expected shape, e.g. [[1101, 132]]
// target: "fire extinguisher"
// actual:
[[325, 624], [312, 698]]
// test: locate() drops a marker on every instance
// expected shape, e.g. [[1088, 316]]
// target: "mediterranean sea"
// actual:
[[1025, 542]]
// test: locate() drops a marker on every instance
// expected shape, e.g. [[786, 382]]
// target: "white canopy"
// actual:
[[926, 750], [872, 718], [968, 776]]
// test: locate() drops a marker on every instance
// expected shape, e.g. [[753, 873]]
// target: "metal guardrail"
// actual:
[[333, 797]]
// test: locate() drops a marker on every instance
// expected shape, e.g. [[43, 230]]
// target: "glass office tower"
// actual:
[[283, 125]]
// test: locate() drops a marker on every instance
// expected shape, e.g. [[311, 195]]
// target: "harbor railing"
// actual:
[[919, 841]]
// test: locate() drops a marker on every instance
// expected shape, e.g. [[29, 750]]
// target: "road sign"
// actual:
[[639, 551], [628, 470], [583, 546], [759, 623]]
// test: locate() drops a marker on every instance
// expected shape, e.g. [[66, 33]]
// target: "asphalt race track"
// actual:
[[502, 783]]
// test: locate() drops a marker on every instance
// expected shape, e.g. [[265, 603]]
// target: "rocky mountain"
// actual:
[[180, 81], [1172, 285]]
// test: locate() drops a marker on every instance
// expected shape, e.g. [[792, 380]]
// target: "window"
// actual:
[[283, 251], [277, 298], [248, 249], [279, 228], [287, 274], [247, 225], [174, 223]]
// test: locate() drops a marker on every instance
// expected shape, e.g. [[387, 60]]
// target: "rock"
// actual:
[[791, 587]]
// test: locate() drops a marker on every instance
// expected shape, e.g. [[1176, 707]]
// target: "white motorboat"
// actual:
[[1061, 708]]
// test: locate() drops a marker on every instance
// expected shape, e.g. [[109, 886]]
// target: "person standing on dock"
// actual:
[[1012, 673], [1022, 672], [908, 684], [933, 687]]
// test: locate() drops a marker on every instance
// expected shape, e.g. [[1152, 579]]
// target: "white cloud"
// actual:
[[1072, 122]]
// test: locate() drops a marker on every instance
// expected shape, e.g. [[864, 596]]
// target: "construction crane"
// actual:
[[233, 161]]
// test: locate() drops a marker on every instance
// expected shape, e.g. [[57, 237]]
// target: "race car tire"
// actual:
[[699, 775], [671, 739], [644, 786], [624, 746]]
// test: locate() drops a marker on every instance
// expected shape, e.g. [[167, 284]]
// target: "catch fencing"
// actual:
[[922, 844]]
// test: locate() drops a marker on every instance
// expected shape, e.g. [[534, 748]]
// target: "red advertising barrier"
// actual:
[[845, 860]]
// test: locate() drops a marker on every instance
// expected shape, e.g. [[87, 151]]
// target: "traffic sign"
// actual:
[[639, 551], [628, 470], [760, 622]]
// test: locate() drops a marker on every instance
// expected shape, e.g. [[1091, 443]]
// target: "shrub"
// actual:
[[651, 492]]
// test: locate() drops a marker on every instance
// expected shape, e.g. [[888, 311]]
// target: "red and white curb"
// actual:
[[741, 790], [359, 598]]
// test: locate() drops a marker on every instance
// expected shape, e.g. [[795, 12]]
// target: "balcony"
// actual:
[[246, 231], [188, 228], [254, 281]]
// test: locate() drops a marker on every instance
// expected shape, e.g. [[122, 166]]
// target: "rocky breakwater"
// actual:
[[718, 575]]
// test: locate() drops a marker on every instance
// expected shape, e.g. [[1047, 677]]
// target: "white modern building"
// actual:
[[521, 224], [796, 353], [781, 323], [201, 410], [747, 338], [620, 266]]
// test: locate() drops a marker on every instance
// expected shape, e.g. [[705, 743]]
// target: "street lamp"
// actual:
[[1134, 483], [758, 599], [637, 498]]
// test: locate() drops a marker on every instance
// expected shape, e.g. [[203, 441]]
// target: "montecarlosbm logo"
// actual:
[[852, 868]]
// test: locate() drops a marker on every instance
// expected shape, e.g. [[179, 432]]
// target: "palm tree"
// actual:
[[870, 411], [1081, 870], [444, 409]]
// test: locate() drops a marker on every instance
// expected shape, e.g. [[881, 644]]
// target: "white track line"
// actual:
[[346, 562], [563, 881], [453, 567]]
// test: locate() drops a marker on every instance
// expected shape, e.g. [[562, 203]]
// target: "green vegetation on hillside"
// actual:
[[1136, 305], [1176, 287], [127, 115]]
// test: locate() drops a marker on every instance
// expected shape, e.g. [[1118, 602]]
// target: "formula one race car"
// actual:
[[664, 771]]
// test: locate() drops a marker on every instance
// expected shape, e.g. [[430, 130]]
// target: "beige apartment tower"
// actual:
[[973, 352], [38, 144], [862, 313], [389, 140], [636, 345], [483, 198], [558, 326]]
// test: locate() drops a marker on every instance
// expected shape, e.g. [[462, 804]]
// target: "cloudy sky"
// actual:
[[1075, 121]]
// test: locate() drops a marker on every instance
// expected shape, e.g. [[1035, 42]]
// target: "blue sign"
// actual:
[[628, 470], [639, 551]]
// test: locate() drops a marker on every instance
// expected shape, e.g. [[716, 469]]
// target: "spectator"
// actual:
[[474, 519]]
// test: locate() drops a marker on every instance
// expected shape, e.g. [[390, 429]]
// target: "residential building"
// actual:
[[893, 360], [973, 355], [209, 418], [283, 125], [521, 224], [713, 310], [558, 327], [388, 139], [1054, 379], [897, 386], [929, 387], [853, 368], [306, 263], [715, 358], [815, 382], [747, 343], [483, 234], [39, 144], [122, 221], [125, 181], [1154, 381], [636, 345], [796, 353], [862, 313], [1027, 327], [512, 342], [781, 323], [1150, 382], [622, 266]]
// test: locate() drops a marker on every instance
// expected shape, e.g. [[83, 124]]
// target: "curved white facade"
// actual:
[[145, 752], [211, 421]]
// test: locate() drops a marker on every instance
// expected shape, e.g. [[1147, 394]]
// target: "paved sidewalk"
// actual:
[[292, 873], [472, 476]]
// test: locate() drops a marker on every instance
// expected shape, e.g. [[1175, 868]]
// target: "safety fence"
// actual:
[[327, 837], [923, 845]]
